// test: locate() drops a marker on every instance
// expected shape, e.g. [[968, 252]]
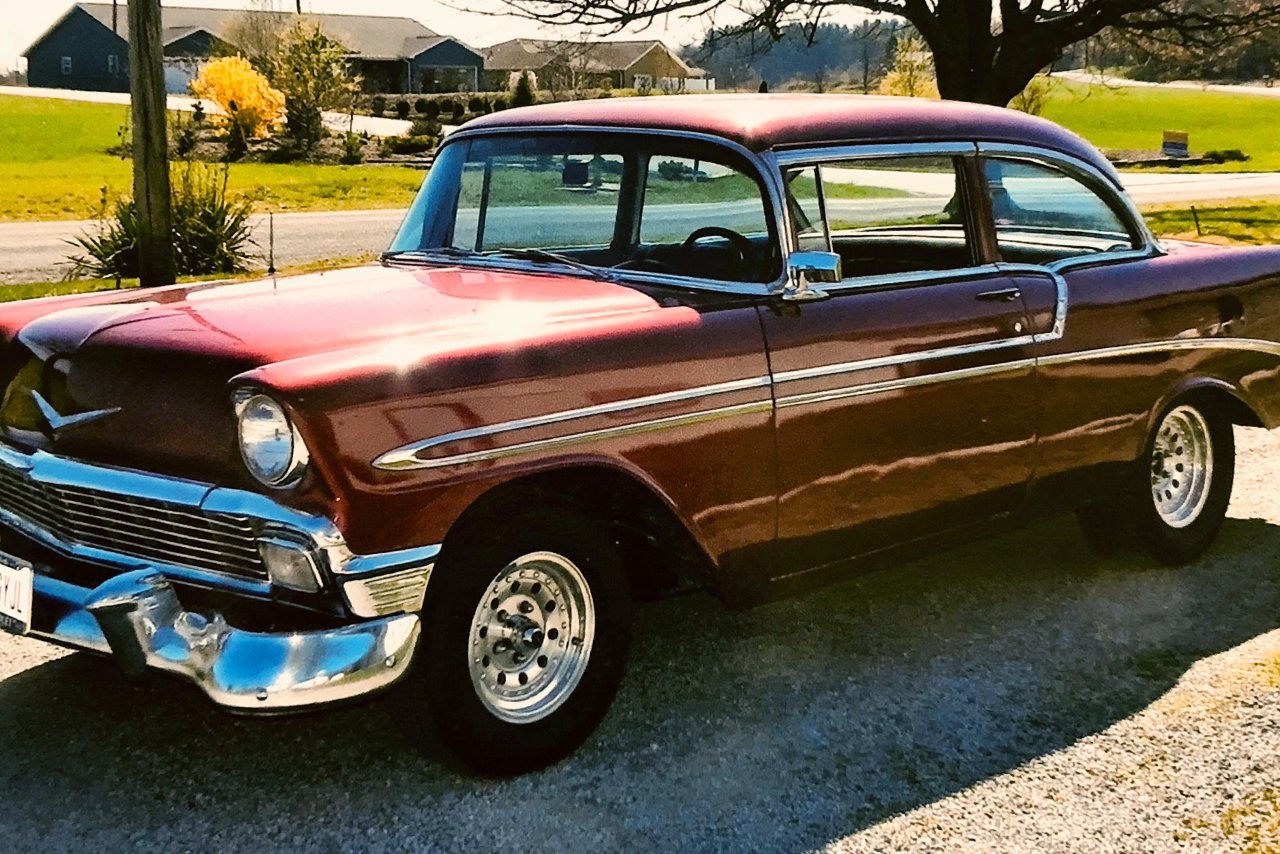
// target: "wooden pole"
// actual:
[[150, 145]]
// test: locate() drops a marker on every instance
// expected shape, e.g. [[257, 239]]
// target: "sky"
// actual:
[[25, 20]]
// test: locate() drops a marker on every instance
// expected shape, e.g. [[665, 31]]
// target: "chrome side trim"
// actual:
[[901, 359], [406, 457], [846, 392], [699, 417], [1254, 345]]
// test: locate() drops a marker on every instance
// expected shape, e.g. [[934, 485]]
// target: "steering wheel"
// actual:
[[739, 242], [644, 265]]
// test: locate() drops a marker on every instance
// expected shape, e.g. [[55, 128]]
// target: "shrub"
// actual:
[[402, 109], [1230, 155], [478, 105], [311, 70], [420, 106], [408, 144], [424, 127], [458, 112], [524, 95], [377, 105], [911, 74], [447, 105], [251, 106], [1032, 99], [433, 110], [352, 150], [498, 103], [211, 232]]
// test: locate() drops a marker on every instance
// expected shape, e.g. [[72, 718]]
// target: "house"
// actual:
[[88, 48], [647, 64]]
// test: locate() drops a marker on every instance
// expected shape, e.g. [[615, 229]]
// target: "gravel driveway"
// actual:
[[1015, 694]]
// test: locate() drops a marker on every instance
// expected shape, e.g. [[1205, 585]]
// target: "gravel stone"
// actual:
[[1016, 694]]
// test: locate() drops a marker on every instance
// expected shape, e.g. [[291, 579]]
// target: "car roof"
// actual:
[[787, 120]]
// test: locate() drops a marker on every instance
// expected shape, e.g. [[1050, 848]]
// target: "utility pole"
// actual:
[[150, 145]]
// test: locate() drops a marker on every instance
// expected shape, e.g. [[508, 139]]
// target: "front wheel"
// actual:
[[525, 635]]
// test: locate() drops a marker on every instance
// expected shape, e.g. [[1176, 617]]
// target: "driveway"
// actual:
[[992, 698]]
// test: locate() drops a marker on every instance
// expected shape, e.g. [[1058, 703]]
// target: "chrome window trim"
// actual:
[[1112, 194], [406, 457], [838, 368], [791, 157], [762, 162]]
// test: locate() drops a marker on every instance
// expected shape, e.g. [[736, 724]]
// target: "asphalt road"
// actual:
[[37, 251], [786, 728]]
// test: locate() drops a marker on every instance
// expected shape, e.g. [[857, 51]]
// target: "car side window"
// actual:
[[883, 216], [1043, 214], [705, 219]]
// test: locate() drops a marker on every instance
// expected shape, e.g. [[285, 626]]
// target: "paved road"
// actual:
[[784, 728], [37, 251]]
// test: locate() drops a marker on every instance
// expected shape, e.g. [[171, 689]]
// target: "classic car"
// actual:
[[618, 350]]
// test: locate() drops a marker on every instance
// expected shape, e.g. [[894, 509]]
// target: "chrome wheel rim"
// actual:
[[1181, 466], [531, 637]]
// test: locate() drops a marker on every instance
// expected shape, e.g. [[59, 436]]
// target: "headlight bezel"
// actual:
[[299, 455]]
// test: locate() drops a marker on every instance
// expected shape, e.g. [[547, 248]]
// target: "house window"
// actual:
[[644, 81], [66, 65], [113, 64]]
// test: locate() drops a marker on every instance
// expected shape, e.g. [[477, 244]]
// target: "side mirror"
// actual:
[[805, 269]]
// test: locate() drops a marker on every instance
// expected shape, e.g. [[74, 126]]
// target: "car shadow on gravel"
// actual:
[[778, 729]]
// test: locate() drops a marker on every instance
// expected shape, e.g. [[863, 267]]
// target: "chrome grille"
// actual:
[[136, 527]]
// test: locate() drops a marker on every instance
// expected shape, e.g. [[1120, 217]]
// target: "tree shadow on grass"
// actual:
[[777, 729]]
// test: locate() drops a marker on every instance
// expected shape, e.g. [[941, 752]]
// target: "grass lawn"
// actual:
[[1136, 119], [1256, 222], [53, 166]]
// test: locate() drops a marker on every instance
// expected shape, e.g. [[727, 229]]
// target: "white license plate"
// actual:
[[16, 586]]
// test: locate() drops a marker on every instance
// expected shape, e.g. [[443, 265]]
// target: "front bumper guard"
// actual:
[[137, 619]]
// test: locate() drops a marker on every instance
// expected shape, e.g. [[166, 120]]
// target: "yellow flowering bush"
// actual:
[[250, 106]]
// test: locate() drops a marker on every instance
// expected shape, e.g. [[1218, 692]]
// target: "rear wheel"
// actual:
[[1177, 494], [525, 636]]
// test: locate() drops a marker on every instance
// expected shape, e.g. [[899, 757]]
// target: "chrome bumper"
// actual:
[[137, 619]]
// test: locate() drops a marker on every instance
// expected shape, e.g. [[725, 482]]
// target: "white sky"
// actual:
[[25, 20]]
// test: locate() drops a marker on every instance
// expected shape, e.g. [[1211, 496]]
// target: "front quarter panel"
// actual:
[[704, 443]]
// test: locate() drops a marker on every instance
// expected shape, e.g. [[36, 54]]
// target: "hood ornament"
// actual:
[[57, 421]]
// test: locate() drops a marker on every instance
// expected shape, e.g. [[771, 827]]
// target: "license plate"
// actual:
[[16, 586]]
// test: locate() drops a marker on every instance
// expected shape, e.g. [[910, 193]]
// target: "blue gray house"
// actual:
[[88, 48]]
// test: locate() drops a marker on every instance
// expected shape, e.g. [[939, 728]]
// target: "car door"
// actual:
[[905, 398], [1057, 220]]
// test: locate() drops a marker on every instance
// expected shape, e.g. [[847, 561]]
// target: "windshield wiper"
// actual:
[[542, 256], [427, 254]]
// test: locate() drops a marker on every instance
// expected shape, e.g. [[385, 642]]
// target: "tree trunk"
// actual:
[[150, 145]]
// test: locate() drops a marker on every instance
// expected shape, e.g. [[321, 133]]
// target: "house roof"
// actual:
[[366, 36], [532, 54]]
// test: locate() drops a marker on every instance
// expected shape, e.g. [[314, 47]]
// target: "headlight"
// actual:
[[269, 442]]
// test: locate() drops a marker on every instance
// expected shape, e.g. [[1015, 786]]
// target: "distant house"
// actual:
[[592, 64], [88, 48]]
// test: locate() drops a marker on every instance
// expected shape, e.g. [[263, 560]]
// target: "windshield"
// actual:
[[619, 201]]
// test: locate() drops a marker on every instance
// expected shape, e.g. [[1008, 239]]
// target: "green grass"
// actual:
[[1251, 222], [1124, 118], [53, 165]]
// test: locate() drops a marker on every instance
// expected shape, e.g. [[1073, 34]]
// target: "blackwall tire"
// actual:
[[526, 630]]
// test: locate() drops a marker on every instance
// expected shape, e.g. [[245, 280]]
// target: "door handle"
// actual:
[[1002, 295]]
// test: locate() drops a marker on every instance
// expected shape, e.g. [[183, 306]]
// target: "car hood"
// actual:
[[163, 358]]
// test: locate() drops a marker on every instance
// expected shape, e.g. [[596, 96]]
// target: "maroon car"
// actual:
[[743, 343]]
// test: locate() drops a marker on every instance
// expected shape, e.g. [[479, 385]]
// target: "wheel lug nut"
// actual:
[[526, 607]]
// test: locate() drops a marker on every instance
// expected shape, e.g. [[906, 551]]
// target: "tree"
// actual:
[[983, 50], [257, 32], [313, 71], [911, 75], [250, 106], [524, 95], [156, 264]]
